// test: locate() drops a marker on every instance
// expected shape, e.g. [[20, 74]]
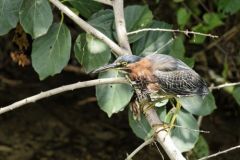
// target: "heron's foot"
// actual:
[[147, 106], [136, 110], [160, 128]]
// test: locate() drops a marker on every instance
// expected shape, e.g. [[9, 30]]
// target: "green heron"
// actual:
[[161, 74]]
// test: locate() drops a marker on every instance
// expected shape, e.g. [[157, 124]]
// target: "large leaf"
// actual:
[[137, 17], [236, 94], [51, 52], [36, 17], [198, 105], [141, 128], [113, 98], [228, 6], [103, 21], [91, 53], [153, 41], [185, 137], [86, 7], [9, 15]]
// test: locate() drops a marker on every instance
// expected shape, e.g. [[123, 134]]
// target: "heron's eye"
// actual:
[[124, 63]]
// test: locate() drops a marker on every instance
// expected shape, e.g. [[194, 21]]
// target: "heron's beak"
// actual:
[[106, 67]]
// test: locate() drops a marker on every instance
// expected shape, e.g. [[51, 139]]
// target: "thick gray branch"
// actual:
[[121, 26], [87, 27]]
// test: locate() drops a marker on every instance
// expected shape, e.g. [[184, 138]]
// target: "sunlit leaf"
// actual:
[[198, 105], [90, 52], [36, 17], [9, 15], [51, 52], [113, 98], [184, 136]]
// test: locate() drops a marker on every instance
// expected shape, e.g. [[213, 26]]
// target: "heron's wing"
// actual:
[[164, 62], [181, 82]]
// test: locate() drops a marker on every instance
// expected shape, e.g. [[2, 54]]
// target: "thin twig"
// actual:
[[224, 85], [186, 32], [220, 152], [190, 129], [61, 89], [120, 25], [163, 46], [88, 28], [107, 2], [145, 143], [226, 36]]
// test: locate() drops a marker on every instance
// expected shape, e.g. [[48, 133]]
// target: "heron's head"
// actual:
[[120, 63]]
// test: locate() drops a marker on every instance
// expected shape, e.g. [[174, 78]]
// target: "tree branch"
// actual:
[[186, 32], [162, 135], [120, 25], [61, 89], [107, 2], [224, 85], [221, 152], [145, 143], [88, 28]]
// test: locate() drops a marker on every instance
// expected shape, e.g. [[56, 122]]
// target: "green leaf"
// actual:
[[91, 52], [140, 128], [177, 48], [182, 17], [183, 136], [228, 6], [198, 39], [236, 94], [9, 15], [103, 21], [201, 149], [189, 61], [86, 8], [36, 17], [198, 105], [113, 98], [153, 41], [137, 17], [51, 52], [212, 20]]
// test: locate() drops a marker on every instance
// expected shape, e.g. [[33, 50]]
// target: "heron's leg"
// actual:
[[135, 108], [173, 119]]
